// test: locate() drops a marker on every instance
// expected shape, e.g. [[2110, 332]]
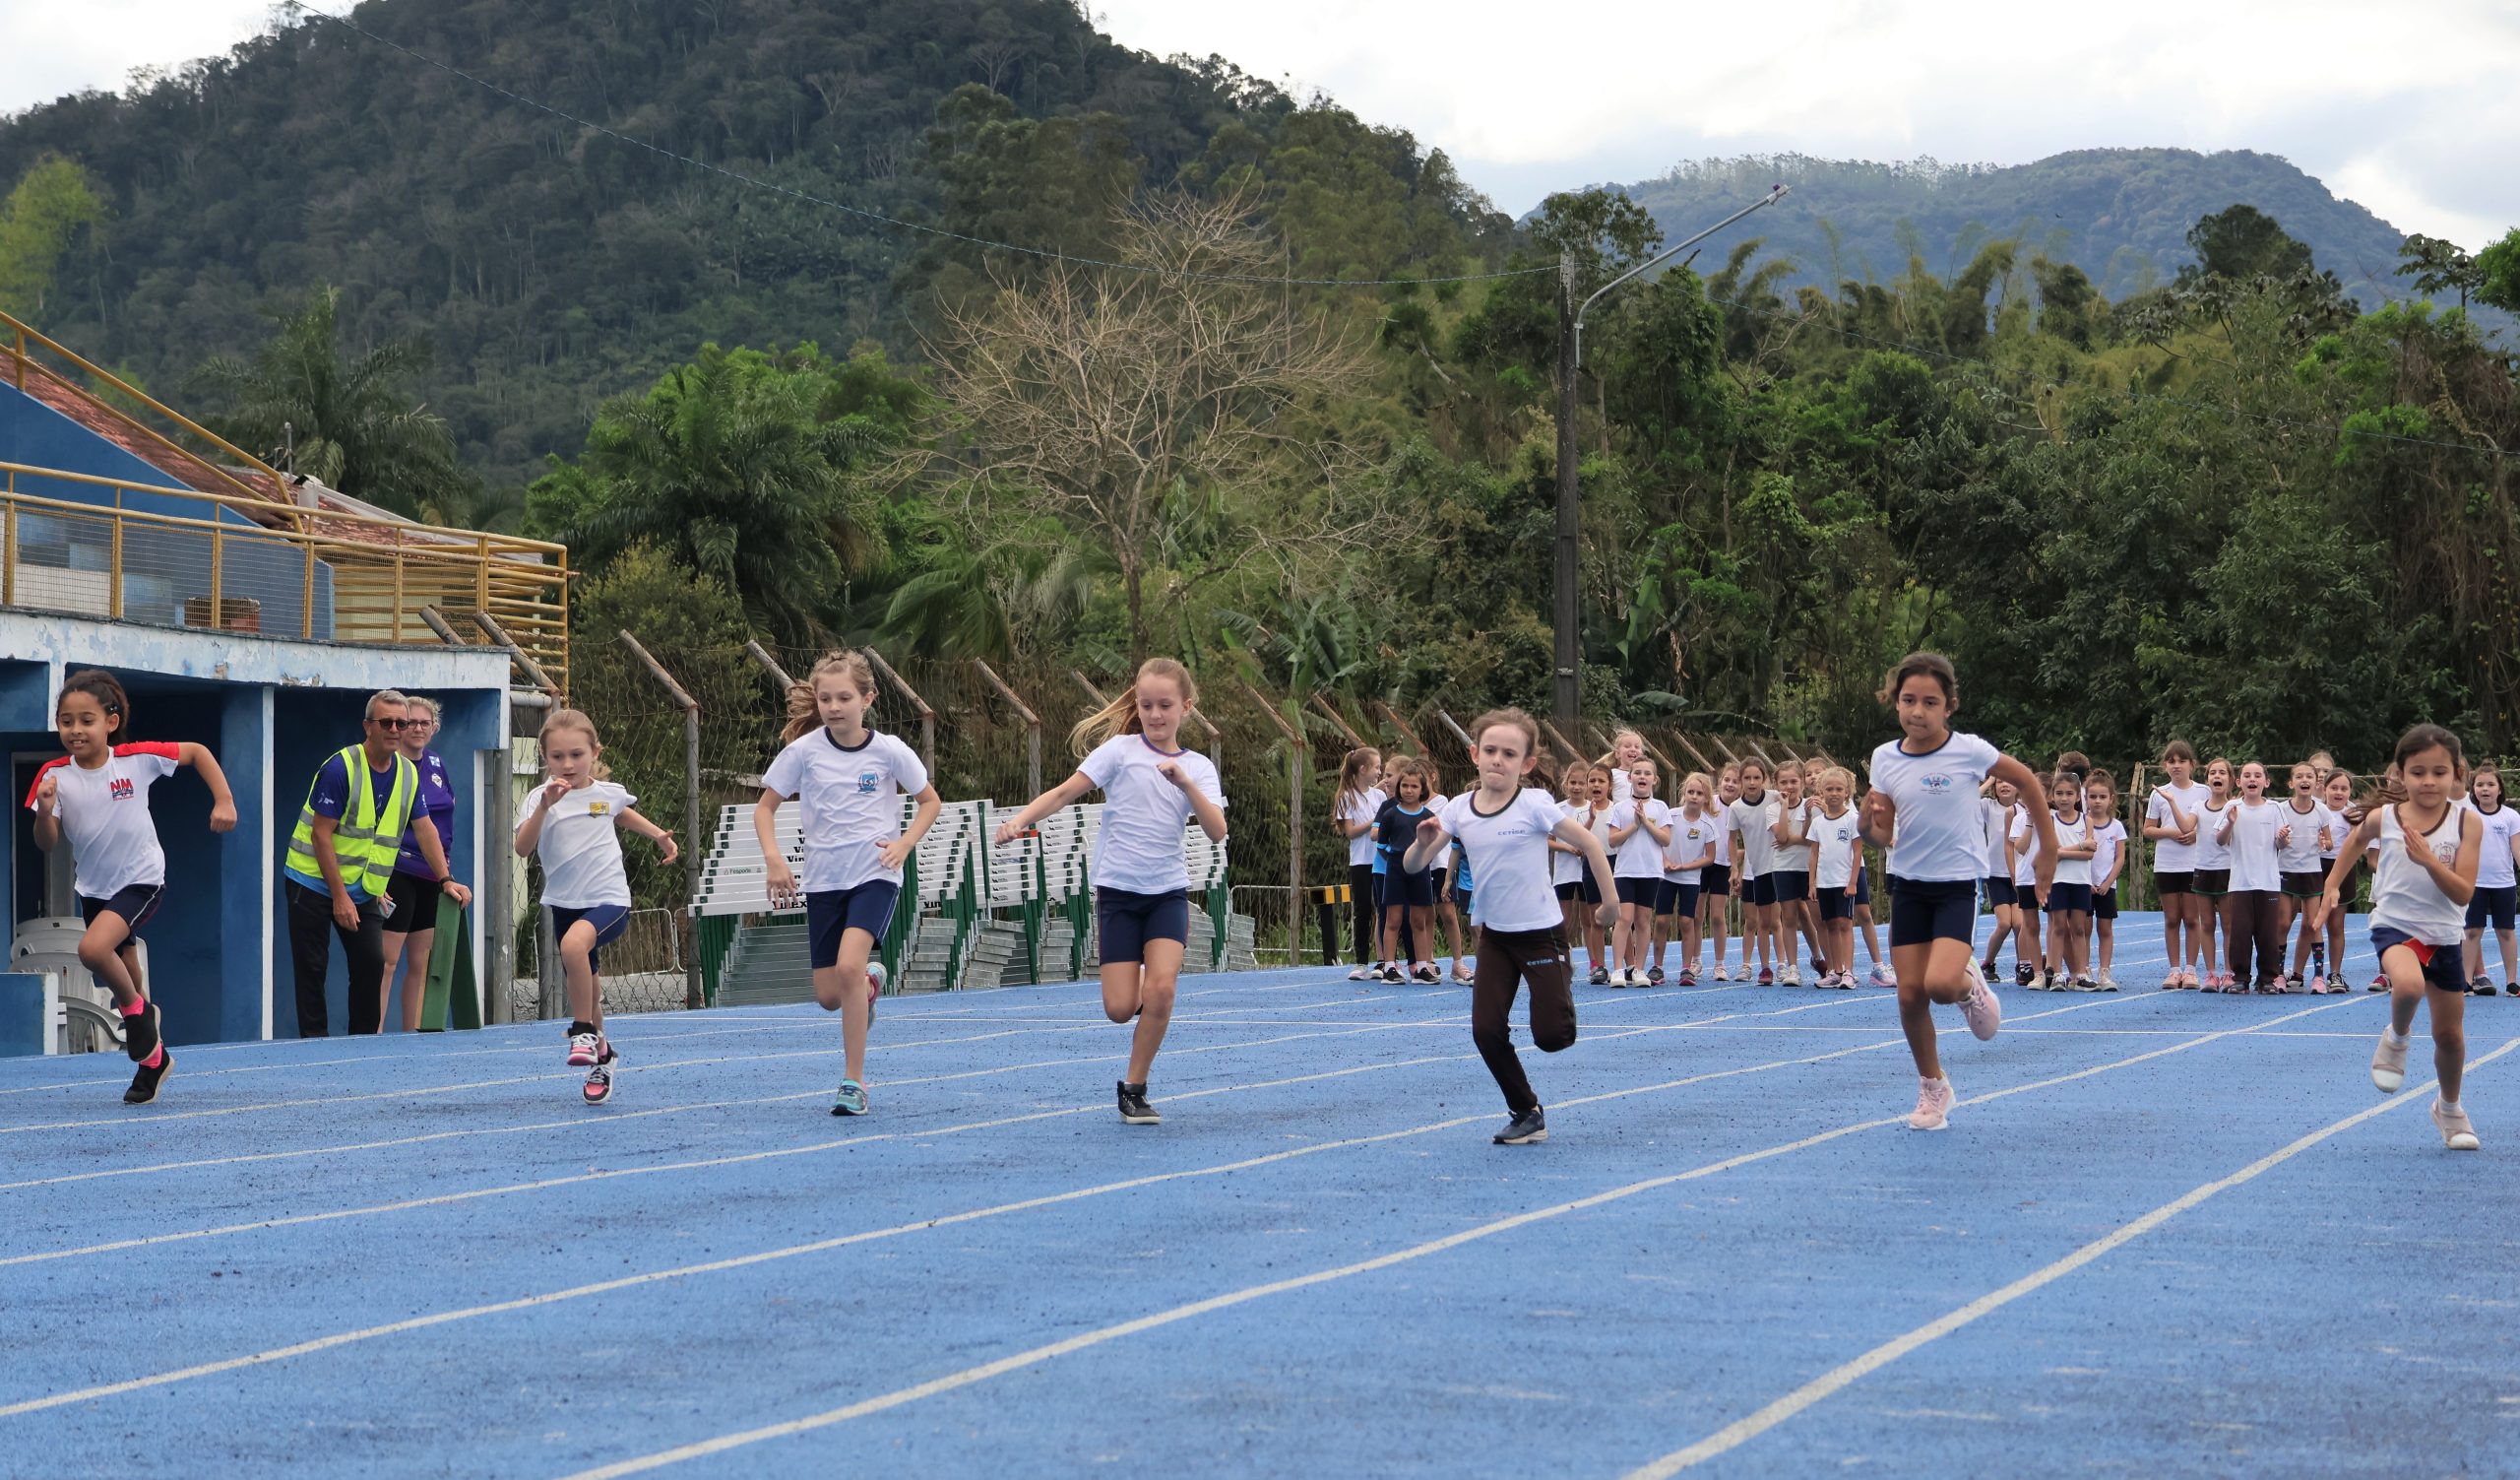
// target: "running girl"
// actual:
[[1923, 809], [2421, 887], [1502, 825], [1151, 789], [2169, 820], [2107, 862], [98, 796], [571, 823], [1640, 830], [2305, 831], [1359, 798], [2497, 899], [850, 781]]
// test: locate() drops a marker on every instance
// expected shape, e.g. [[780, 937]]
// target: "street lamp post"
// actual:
[[1567, 698]]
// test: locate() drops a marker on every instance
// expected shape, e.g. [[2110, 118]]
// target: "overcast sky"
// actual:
[[2413, 115]]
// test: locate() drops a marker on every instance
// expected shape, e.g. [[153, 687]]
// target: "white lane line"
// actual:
[[1733, 1435], [344, 1338], [972, 1376]]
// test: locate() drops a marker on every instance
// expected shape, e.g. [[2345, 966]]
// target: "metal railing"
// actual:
[[73, 541]]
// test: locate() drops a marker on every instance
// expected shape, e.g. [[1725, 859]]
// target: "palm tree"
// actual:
[[723, 465], [350, 423]]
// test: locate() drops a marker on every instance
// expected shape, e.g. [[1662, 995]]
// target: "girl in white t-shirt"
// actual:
[[1924, 808], [2425, 876], [2336, 790], [1716, 889], [1360, 797], [1566, 861], [1640, 830], [1837, 869], [2497, 896], [2108, 862], [1152, 789], [2067, 961], [98, 796], [2030, 903], [2214, 871], [1627, 747], [849, 782], [570, 823], [1796, 922], [2305, 834], [1996, 811], [2253, 902], [2170, 823], [1695, 832], [1502, 826], [1751, 821]]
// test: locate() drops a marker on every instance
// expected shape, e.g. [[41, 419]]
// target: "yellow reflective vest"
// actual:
[[367, 839]]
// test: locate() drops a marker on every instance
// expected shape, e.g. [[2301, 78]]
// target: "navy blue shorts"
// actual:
[[1645, 891], [2494, 907], [1838, 904], [2104, 904], [609, 921], [1415, 891], [2066, 898], [1785, 887], [1679, 897], [1923, 911], [1570, 891], [833, 913], [1714, 880], [1129, 921], [1759, 889], [1864, 886], [2000, 891], [2444, 967], [135, 903]]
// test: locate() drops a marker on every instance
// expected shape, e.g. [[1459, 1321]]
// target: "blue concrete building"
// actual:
[[254, 613]]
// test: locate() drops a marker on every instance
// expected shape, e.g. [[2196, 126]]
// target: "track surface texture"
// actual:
[[2167, 1234]]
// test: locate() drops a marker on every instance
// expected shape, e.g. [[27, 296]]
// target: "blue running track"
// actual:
[[2167, 1234]]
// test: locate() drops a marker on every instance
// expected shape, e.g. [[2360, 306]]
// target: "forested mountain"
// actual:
[[548, 267], [2121, 215], [2210, 497]]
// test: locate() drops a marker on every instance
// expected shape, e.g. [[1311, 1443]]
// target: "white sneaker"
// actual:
[[1793, 976], [1362, 973], [2388, 1062], [1721, 973], [1983, 1011], [1933, 1105], [2456, 1132]]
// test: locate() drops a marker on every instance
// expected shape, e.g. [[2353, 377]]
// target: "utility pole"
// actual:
[[1567, 698]]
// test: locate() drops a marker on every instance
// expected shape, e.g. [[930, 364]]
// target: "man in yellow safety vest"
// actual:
[[341, 858]]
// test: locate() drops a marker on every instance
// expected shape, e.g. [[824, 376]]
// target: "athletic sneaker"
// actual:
[[2456, 1132], [2085, 983], [140, 1036], [1687, 978], [1793, 976], [598, 1086], [2480, 986], [1524, 1128], [1134, 1110], [1846, 980], [2388, 1062], [1767, 976], [1983, 1011], [2106, 984], [1601, 975], [1654, 977], [582, 1050], [1619, 975], [1933, 1103], [1462, 974], [2318, 984], [146, 1079], [1362, 974], [1392, 973], [2022, 972], [1882, 976], [1423, 973], [1721, 973], [2380, 983], [852, 1099]]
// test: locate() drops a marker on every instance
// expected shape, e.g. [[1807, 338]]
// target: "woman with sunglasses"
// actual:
[[410, 899]]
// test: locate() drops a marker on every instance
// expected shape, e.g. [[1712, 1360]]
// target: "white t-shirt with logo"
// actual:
[[2493, 851], [1997, 821], [2169, 854], [2252, 845], [848, 803], [1139, 850], [2071, 835], [2212, 853], [1692, 839], [1834, 837], [1640, 856], [2107, 841], [2302, 855], [1509, 857], [2025, 847], [1566, 868], [581, 852], [1755, 821], [104, 815], [1363, 808], [1939, 833]]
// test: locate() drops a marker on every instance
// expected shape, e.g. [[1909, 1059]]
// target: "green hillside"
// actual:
[[2121, 215]]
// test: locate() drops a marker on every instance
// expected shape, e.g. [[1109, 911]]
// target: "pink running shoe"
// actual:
[[1881, 975], [1933, 1105], [583, 1049], [1983, 1012], [2318, 985], [1767, 976]]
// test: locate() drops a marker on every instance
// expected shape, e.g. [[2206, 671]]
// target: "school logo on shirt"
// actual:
[[598, 808], [867, 781], [119, 789], [1934, 782]]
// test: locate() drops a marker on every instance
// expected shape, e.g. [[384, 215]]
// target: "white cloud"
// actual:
[[49, 51]]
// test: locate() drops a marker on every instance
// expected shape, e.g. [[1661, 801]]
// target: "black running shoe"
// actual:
[[140, 1036], [1134, 1110], [1522, 1130], [146, 1079], [1601, 975], [2021, 974], [2480, 986]]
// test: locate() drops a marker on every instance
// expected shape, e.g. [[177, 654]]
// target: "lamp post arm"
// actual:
[[1666, 256]]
